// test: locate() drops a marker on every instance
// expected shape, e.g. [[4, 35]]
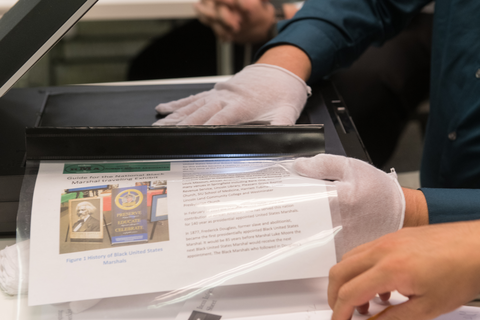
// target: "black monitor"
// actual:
[[31, 28]]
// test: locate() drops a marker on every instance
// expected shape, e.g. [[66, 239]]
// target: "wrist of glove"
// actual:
[[371, 202], [13, 273], [260, 92]]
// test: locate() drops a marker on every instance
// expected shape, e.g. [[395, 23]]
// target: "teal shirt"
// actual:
[[333, 33]]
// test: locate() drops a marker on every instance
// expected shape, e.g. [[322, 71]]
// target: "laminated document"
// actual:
[[118, 228]]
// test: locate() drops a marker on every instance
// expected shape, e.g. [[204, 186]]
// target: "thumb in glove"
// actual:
[[371, 202]]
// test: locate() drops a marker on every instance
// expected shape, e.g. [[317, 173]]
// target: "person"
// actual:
[[379, 104], [86, 222], [327, 35]]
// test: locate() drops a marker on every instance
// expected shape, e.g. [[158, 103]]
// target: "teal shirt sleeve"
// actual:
[[333, 33], [450, 205]]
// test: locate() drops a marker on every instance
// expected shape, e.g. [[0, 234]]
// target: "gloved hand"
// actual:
[[260, 92], [371, 201], [13, 278], [14, 263]]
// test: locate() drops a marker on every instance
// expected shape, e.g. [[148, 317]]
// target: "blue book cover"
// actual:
[[129, 214]]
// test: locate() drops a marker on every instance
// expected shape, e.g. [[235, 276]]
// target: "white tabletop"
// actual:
[[131, 9]]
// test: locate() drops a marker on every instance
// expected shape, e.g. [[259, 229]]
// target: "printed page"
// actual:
[[108, 229]]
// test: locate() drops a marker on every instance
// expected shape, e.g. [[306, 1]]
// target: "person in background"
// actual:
[[190, 50], [245, 21]]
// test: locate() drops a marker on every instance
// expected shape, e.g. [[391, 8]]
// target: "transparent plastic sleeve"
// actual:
[[183, 239]]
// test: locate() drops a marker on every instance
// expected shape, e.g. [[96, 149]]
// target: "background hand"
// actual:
[[240, 21], [436, 266]]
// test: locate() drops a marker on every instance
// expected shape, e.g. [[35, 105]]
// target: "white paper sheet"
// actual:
[[228, 223]]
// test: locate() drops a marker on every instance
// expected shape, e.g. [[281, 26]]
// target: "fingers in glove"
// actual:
[[228, 116], [165, 122], [181, 114], [322, 166], [169, 107], [202, 115], [284, 116]]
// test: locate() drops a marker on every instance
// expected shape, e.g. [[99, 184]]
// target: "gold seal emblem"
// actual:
[[129, 199]]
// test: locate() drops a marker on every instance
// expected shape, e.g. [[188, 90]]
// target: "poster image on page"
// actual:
[[105, 216]]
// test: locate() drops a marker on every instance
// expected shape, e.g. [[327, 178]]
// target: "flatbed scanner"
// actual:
[[32, 27]]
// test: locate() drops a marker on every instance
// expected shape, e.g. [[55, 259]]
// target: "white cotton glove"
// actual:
[[260, 92], [13, 276], [371, 201], [14, 272]]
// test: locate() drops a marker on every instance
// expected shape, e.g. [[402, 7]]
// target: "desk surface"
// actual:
[[131, 9]]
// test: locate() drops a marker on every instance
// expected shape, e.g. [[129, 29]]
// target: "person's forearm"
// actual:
[[416, 209], [289, 57]]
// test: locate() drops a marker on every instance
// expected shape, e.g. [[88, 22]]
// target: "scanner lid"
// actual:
[[31, 28]]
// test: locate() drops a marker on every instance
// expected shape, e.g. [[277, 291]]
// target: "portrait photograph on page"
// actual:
[[86, 219]]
